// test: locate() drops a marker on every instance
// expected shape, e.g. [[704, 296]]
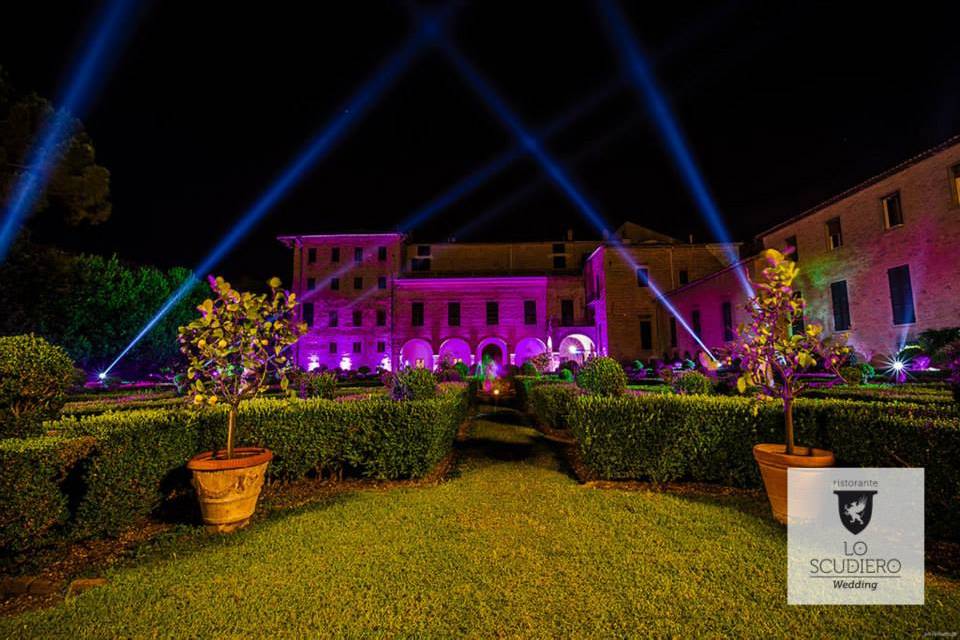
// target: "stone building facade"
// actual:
[[878, 263], [379, 300]]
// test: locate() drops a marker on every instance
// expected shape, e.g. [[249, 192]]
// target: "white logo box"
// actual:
[[855, 536]]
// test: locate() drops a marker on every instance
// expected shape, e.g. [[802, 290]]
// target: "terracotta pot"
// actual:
[[228, 488], [774, 463]]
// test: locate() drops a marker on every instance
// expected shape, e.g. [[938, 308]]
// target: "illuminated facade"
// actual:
[[380, 300], [879, 263]]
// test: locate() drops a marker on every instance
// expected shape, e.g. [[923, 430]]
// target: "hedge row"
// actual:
[[104, 473], [710, 439], [551, 404], [523, 385]]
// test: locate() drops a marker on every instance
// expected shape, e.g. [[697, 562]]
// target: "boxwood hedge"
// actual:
[[551, 404], [101, 474], [709, 439]]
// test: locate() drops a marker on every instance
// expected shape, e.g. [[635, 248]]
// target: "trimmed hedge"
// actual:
[[551, 404], [34, 507], [102, 474], [710, 439]]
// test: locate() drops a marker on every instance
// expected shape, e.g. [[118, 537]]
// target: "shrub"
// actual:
[[33, 497], [709, 439], [34, 378], [318, 384], [693, 383], [529, 369], [570, 365], [603, 377], [447, 372], [551, 403], [566, 375], [413, 384], [463, 370], [523, 385], [852, 374]]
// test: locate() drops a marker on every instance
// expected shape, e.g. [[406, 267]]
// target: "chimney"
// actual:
[[569, 235], [691, 238]]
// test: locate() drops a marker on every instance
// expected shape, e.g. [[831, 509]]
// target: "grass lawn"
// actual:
[[509, 546]]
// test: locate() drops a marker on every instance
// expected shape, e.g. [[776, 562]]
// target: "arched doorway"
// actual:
[[454, 350], [528, 348], [495, 348], [576, 347], [416, 353]]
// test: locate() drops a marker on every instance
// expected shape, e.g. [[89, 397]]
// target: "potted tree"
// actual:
[[772, 357], [233, 348]]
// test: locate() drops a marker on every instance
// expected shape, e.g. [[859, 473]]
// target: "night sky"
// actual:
[[783, 106]]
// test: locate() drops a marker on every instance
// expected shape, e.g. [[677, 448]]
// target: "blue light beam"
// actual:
[[554, 171], [480, 176], [641, 76], [84, 80], [318, 147]]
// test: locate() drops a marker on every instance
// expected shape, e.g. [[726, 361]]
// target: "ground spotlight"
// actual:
[[641, 75], [85, 78], [321, 143]]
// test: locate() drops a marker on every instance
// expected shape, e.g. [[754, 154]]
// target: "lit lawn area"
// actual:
[[511, 545]]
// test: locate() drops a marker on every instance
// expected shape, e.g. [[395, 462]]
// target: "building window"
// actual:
[[643, 277], [358, 318], [646, 335], [791, 243], [559, 262], [308, 313], [841, 306], [382, 254], [453, 314], [332, 319], [334, 284], [684, 276], [416, 314], [493, 313], [673, 332], [335, 254], [559, 247], [420, 264], [726, 310], [566, 313], [834, 234], [529, 312], [955, 181], [358, 254], [357, 347], [695, 318], [381, 317], [358, 282], [382, 282], [311, 283], [901, 295], [892, 211], [423, 250], [311, 256], [333, 347], [381, 346], [799, 324]]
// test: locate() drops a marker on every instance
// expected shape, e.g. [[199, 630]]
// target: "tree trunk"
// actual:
[[231, 428], [788, 418]]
